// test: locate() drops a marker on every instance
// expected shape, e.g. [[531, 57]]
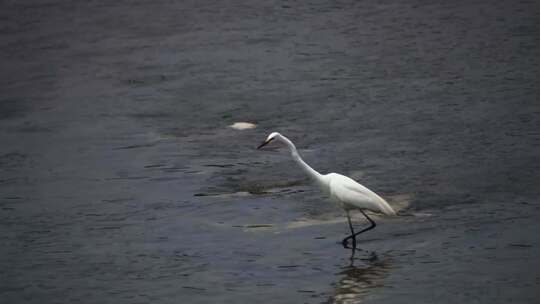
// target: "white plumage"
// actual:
[[344, 191], [353, 195]]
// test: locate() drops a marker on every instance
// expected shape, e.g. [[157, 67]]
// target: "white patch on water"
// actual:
[[241, 125], [305, 222], [399, 201], [357, 174], [228, 195], [258, 227], [333, 218]]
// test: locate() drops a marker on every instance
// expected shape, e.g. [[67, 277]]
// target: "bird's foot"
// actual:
[[346, 242], [346, 245]]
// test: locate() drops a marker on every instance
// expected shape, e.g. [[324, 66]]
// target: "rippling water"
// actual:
[[121, 180]]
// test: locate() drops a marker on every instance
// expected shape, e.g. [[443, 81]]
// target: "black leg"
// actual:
[[353, 234], [345, 241], [373, 225]]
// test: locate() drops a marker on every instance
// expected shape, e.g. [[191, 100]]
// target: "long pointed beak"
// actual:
[[263, 144], [266, 142]]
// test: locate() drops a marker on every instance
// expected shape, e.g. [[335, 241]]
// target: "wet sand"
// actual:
[[122, 182]]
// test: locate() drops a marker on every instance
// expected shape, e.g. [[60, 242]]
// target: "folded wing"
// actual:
[[354, 195]]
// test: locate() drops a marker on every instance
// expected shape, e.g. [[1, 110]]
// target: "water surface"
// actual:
[[121, 181]]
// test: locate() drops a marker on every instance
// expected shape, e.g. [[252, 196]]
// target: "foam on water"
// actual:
[[242, 125]]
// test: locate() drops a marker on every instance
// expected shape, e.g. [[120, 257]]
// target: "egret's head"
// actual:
[[268, 139]]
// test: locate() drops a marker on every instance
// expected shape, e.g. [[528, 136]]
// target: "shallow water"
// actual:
[[121, 180]]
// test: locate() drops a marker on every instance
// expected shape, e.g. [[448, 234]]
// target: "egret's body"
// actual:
[[341, 189]]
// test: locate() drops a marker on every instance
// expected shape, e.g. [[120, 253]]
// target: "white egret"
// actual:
[[344, 191]]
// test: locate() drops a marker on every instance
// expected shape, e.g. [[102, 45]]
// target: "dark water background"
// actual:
[[120, 181]]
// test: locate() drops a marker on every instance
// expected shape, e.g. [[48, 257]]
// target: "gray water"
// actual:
[[120, 181]]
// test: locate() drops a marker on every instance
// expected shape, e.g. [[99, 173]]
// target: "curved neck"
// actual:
[[309, 171]]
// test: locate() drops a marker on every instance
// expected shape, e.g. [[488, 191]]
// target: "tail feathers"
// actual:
[[385, 207]]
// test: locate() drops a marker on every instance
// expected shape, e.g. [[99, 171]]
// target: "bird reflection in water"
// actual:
[[357, 281]]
